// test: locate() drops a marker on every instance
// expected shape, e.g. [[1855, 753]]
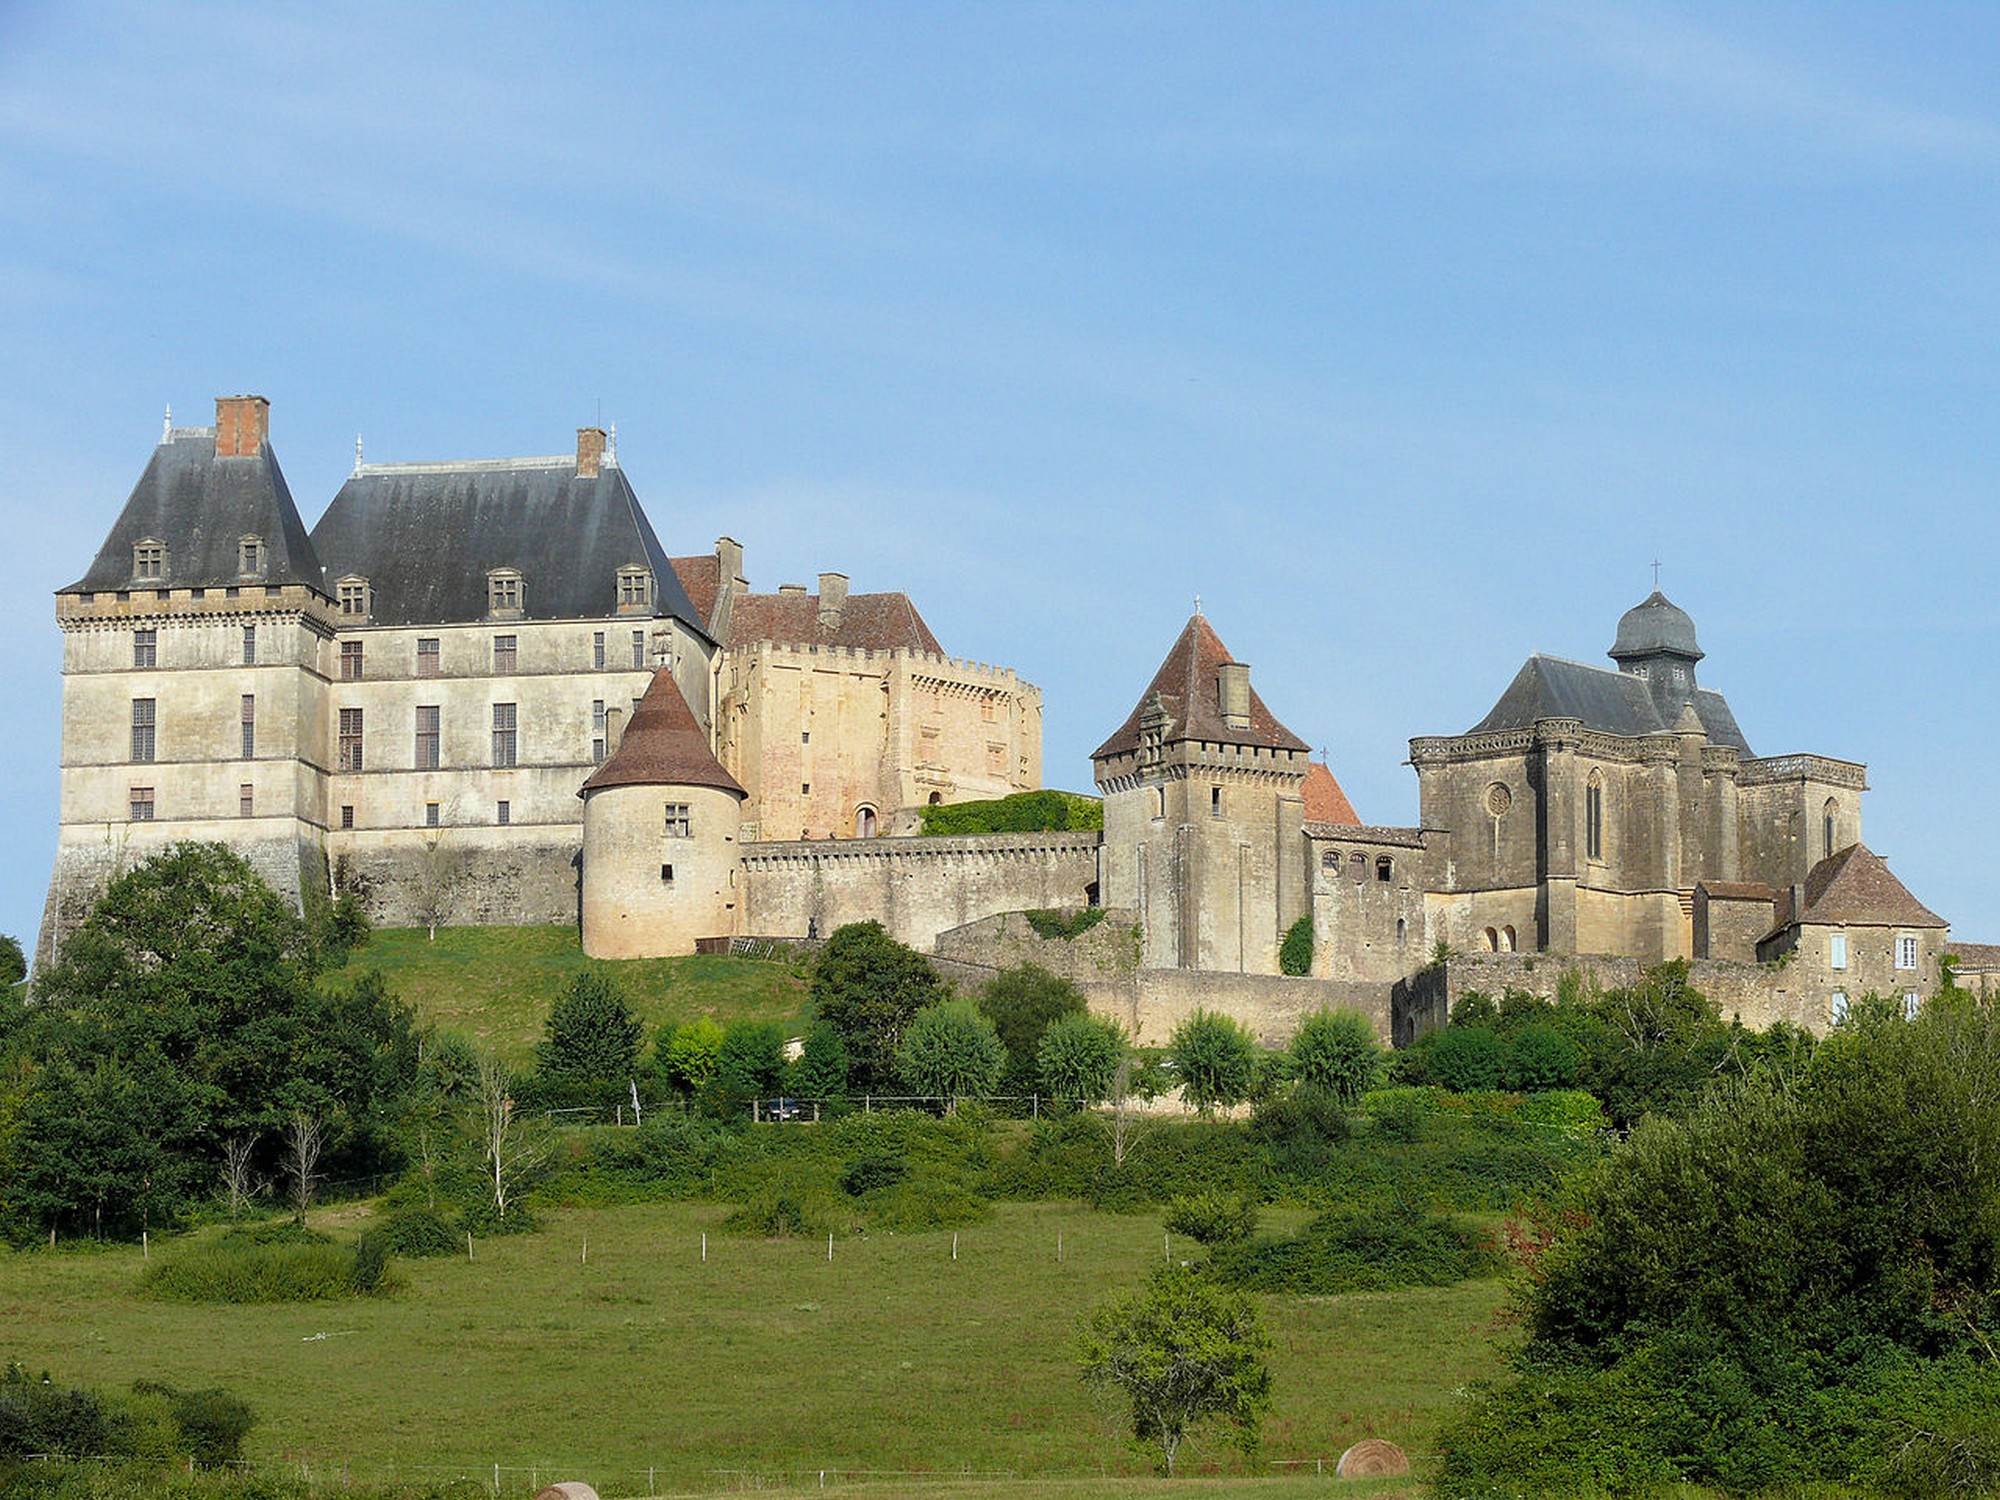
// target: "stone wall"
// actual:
[[1756, 993], [917, 887], [1007, 941], [1150, 1003], [471, 877]]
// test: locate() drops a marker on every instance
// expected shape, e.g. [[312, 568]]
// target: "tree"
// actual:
[[1216, 1059], [1337, 1050], [1022, 1004], [13, 963], [1295, 953], [820, 1073], [305, 1138], [591, 1036], [1078, 1058], [750, 1064], [868, 987], [1183, 1352], [686, 1056], [514, 1148], [951, 1050]]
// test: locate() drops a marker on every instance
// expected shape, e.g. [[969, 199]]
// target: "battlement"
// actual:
[[899, 655]]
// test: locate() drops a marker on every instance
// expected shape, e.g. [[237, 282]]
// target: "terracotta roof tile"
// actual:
[[1853, 885], [1187, 688], [662, 746], [1737, 890], [1325, 801], [702, 578], [868, 622], [1976, 957]]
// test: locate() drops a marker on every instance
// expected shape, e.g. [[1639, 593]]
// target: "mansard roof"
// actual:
[[425, 536], [1853, 886], [1325, 801], [662, 746], [1622, 703], [201, 507], [868, 622], [1188, 688]]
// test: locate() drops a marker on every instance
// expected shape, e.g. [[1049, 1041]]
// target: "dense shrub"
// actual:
[[1338, 1051], [1057, 927], [1022, 1004], [1468, 1057], [871, 1170], [1215, 1058], [1295, 953], [418, 1232], [1540, 1057], [40, 1417], [243, 1268], [1351, 1251], [1213, 1218], [951, 1050], [1077, 1059], [1023, 812], [1301, 1130]]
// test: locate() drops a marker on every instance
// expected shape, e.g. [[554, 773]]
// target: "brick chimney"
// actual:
[[1232, 688], [242, 423], [832, 600], [589, 451]]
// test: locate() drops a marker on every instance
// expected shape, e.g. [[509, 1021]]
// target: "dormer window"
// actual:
[[357, 599], [503, 594], [149, 561], [250, 556], [635, 590]]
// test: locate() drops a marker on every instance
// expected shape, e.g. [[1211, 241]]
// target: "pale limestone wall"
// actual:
[[630, 908], [1782, 803], [1807, 952], [1729, 928], [1760, 994], [1150, 1003], [817, 734], [459, 877], [916, 888], [1366, 927], [1007, 941]]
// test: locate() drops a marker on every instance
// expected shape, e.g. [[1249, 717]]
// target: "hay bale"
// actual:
[[1372, 1458], [568, 1489]]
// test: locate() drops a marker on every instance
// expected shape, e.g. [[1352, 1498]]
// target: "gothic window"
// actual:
[[144, 722], [250, 556], [506, 652], [145, 648], [351, 655], [505, 746], [249, 726], [1402, 932], [428, 656], [429, 735], [1593, 817], [679, 825], [504, 593], [149, 561], [1507, 940], [1385, 869], [350, 739], [1492, 940], [1906, 952], [249, 645], [1498, 800], [864, 823], [356, 598], [635, 589], [1330, 860], [141, 804], [1826, 826]]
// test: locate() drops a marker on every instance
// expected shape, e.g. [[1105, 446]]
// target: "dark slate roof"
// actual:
[[426, 535], [1655, 625], [1853, 885], [1548, 687], [868, 622], [662, 746], [202, 507], [1186, 685], [1325, 801]]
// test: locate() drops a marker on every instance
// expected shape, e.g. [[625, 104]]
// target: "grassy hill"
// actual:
[[494, 984], [754, 1369]]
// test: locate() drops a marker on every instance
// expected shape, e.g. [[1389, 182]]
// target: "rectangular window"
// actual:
[[1215, 802], [249, 726], [430, 815], [503, 814], [667, 874], [354, 599], [679, 825], [350, 661], [597, 731], [249, 645], [504, 654], [350, 739], [143, 725], [145, 648], [250, 555], [503, 592], [1836, 951], [505, 747], [427, 656], [635, 588], [428, 736], [246, 801], [597, 649], [149, 562], [1836, 1007], [1906, 952], [638, 650], [346, 815], [805, 737], [1913, 1005], [142, 804]]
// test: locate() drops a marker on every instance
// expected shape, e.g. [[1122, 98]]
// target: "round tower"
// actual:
[[660, 824]]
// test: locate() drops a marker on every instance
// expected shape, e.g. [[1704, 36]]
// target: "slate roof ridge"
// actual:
[[468, 465], [662, 746], [1854, 885], [1186, 686]]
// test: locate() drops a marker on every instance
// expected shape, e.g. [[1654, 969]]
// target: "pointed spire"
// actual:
[[167, 425], [611, 447], [357, 453]]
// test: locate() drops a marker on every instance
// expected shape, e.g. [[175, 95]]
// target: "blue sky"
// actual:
[[1408, 337]]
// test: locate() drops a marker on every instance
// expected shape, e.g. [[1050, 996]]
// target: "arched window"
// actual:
[[1357, 866], [1826, 826], [864, 822], [1402, 932], [1506, 940], [1385, 869], [1330, 861], [936, 798], [1593, 816], [1492, 940]]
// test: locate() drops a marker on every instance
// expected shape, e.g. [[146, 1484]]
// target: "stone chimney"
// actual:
[[791, 588], [589, 451], [1232, 688], [832, 600], [614, 730], [241, 425], [729, 554]]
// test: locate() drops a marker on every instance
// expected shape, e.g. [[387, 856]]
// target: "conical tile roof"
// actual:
[[1187, 685], [663, 746]]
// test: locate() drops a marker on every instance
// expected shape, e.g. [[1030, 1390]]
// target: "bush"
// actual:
[[1077, 1059], [1541, 1057], [1215, 1058], [37, 1416], [417, 1233], [1213, 1218], [209, 1425], [1053, 926], [1295, 953], [1337, 1050], [1400, 1114], [1468, 1057], [1302, 1130], [241, 1268], [872, 1170], [1350, 1251]]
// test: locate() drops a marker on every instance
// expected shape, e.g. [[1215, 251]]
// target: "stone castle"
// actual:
[[482, 692]]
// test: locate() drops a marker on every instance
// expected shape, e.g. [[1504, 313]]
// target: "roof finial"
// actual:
[[611, 446], [167, 425], [1656, 575], [357, 453], [1197, 604]]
